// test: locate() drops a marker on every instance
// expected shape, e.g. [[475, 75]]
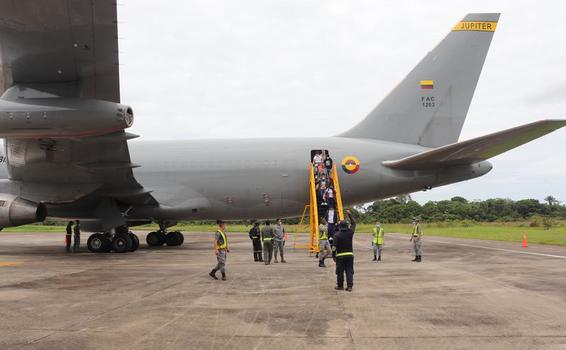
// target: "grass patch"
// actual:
[[494, 232], [511, 232]]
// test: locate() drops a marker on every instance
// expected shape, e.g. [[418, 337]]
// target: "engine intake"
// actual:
[[16, 211]]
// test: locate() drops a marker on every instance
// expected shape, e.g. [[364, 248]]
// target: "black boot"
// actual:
[[224, 276], [374, 258], [213, 274], [379, 259], [419, 258], [255, 257], [259, 255], [321, 263], [416, 258]]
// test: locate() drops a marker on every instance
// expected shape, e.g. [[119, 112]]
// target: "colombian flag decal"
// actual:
[[350, 164], [427, 84]]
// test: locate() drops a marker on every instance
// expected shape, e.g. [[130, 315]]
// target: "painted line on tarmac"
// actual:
[[8, 264], [500, 249]]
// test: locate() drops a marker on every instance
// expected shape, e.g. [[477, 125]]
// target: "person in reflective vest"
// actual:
[[377, 241], [255, 236], [323, 244], [416, 238], [343, 253], [221, 249], [267, 238]]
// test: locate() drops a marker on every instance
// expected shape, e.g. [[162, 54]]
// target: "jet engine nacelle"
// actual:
[[15, 211], [62, 118]]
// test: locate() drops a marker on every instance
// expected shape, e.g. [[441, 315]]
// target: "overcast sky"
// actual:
[[224, 69]]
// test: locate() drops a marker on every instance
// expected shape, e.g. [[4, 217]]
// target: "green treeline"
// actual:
[[402, 209]]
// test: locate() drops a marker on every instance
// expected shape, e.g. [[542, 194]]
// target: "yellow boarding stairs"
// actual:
[[312, 207]]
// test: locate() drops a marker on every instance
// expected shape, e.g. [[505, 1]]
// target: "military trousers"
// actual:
[[221, 261], [324, 249], [267, 251], [345, 265], [377, 248], [278, 247], [257, 249], [417, 247]]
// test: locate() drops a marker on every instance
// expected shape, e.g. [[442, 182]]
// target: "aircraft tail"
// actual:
[[429, 106]]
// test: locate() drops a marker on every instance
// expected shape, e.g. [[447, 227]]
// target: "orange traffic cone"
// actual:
[[525, 243]]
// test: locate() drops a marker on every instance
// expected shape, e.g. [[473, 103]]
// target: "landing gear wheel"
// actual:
[[173, 238], [121, 243], [96, 243], [135, 241], [182, 238], [155, 239]]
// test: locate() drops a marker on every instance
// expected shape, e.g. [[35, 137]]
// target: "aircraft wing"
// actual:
[[67, 46], [477, 149], [60, 50]]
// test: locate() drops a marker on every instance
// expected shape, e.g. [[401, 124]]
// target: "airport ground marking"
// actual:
[[8, 263]]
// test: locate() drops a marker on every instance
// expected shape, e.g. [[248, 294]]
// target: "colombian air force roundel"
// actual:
[[350, 164]]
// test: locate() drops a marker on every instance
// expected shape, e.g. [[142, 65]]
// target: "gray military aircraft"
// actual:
[[67, 154]]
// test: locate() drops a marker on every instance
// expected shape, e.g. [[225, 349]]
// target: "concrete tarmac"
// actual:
[[466, 294]]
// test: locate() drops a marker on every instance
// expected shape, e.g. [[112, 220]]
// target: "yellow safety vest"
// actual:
[[323, 235], [378, 236], [224, 244], [416, 230]]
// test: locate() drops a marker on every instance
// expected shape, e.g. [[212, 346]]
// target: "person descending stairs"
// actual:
[[325, 198]]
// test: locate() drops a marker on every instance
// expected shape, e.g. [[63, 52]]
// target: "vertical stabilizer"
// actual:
[[429, 106]]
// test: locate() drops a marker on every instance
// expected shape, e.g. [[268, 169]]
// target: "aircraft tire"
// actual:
[[182, 238], [121, 243], [154, 239], [135, 241], [173, 239], [96, 243]]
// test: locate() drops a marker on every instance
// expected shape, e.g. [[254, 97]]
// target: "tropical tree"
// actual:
[[551, 200]]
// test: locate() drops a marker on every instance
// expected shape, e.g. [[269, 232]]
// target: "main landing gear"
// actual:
[[158, 238], [122, 241]]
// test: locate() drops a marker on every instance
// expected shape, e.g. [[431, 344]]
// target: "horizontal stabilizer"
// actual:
[[477, 149]]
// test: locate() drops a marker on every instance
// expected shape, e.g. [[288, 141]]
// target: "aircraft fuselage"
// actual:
[[266, 178]]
